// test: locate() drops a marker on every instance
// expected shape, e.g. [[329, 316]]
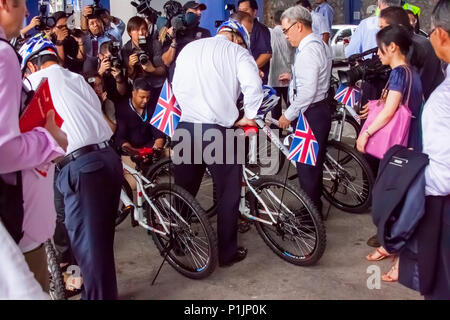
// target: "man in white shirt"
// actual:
[[436, 130], [91, 173], [209, 76], [308, 92]]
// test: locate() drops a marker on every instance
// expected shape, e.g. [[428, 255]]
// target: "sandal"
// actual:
[[381, 255], [388, 277]]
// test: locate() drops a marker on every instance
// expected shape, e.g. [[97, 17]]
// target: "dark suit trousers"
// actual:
[[227, 179], [91, 187], [310, 177], [282, 92]]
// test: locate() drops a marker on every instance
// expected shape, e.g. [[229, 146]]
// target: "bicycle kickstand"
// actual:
[[165, 252]]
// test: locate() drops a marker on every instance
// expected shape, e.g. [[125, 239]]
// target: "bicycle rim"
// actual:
[[194, 251], [299, 233], [347, 179]]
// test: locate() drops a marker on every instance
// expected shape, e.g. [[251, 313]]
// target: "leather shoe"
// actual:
[[240, 255]]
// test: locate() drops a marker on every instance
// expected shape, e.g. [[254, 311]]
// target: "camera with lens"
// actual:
[[115, 59], [98, 9], [364, 69], [45, 22], [183, 23], [142, 51], [143, 7]]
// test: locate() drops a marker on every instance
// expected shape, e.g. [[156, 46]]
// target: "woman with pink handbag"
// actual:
[[395, 118]]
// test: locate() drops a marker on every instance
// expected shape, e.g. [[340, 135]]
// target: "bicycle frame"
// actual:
[[142, 183]]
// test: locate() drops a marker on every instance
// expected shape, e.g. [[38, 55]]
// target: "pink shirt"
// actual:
[[24, 151]]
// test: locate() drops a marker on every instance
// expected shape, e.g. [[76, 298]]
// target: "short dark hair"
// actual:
[[397, 34], [304, 3], [440, 17], [396, 15], [141, 84], [277, 16], [135, 23], [43, 59], [253, 3], [241, 16]]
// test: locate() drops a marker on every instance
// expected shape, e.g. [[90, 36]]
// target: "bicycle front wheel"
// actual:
[[161, 172], [191, 244], [347, 178], [298, 234], [350, 130]]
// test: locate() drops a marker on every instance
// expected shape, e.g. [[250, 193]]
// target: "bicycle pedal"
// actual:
[[130, 210]]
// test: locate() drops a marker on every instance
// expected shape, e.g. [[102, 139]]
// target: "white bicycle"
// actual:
[[178, 225]]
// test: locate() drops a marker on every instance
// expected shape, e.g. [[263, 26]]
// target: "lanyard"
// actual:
[[132, 108]]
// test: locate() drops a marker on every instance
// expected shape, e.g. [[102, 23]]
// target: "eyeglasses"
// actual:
[[287, 30]]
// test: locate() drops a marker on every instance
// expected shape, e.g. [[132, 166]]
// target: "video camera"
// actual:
[[45, 22], [143, 7], [183, 22], [363, 69]]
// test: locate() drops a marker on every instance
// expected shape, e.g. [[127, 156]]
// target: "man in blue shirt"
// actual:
[[325, 10], [260, 45], [364, 37]]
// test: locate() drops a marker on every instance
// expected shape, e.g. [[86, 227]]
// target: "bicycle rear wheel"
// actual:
[[298, 236], [57, 289], [161, 172], [191, 244], [347, 178]]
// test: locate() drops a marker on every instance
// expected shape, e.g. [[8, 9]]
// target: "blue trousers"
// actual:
[[91, 187], [227, 179]]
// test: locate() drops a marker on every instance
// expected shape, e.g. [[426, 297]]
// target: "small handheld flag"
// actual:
[[167, 113], [304, 147], [349, 97]]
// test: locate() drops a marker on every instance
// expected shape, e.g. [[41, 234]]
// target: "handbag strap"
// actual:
[[410, 77]]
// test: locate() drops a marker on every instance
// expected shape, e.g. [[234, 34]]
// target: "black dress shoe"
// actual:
[[373, 242], [240, 255]]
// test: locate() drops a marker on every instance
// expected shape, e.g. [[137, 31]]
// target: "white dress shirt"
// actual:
[[319, 24], [17, 282], [209, 77], [436, 132], [364, 38], [282, 56], [310, 75], [77, 104]]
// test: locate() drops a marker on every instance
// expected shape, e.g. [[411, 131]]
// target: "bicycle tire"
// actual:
[[351, 123], [303, 219], [162, 167], [57, 288], [122, 214], [264, 158], [342, 182], [184, 236]]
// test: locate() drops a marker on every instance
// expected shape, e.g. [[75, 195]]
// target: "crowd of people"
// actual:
[[63, 182]]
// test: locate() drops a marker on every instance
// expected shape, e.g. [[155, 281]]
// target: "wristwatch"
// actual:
[[368, 133]]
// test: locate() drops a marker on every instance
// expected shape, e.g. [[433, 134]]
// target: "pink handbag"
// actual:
[[395, 131]]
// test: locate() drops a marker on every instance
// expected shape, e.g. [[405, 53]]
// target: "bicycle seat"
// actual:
[[249, 130]]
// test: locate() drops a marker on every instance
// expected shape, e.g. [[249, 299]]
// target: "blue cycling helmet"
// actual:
[[269, 102], [235, 27], [36, 46]]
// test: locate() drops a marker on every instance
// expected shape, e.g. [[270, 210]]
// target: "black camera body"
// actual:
[[98, 9], [115, 59], [143, 7], [182, 23], [364, 69], [142, 51], [45, 22]]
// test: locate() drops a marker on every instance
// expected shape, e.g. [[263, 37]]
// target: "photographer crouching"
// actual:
[[182, 28], [142, 57]]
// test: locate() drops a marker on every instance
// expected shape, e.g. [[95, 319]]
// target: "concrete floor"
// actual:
[[340, 274]]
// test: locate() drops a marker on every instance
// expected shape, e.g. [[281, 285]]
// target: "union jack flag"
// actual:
[[167, 113], [349, 97], [304, 147]]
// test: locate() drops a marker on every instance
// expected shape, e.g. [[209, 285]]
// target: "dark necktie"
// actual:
[[94, 47]]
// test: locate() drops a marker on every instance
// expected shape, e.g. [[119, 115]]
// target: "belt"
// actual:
[[80, 152], [315, 104]]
